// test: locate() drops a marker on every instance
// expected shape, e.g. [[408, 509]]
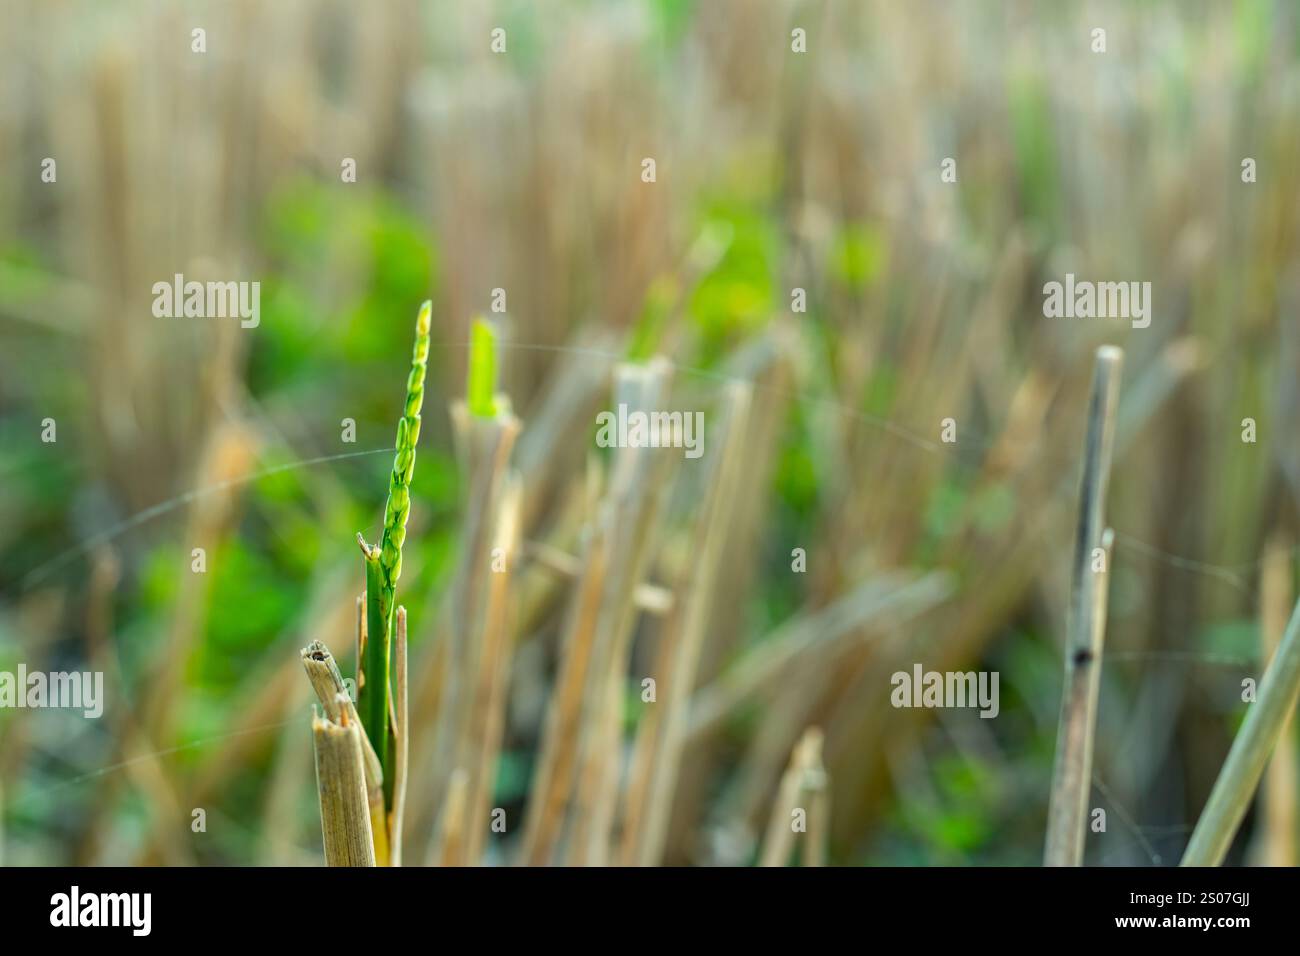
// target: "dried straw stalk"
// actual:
[[1235, 788], [579, 753], [485, 445], [488, 724], [1072, 777], [1275, 840], [803, 787], [661, 735], [341, 782], [629, 519]]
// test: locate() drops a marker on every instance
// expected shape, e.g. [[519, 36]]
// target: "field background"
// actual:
[[522, 171]]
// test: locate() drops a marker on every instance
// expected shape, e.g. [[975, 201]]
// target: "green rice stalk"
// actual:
[[384, 563]]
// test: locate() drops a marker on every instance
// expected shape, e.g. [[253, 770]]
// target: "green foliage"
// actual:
[[647, 334], [314, 330], [1253, 23], [1035, 153], [881, 390], [995, 506], [738, 294], [243, 615], [1233, 639], [858, 256], [796, 478], [673, 18], [944, 510], [954, 822]]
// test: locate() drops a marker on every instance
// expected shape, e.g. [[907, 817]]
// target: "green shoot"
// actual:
[[482, 384], [384, 564]]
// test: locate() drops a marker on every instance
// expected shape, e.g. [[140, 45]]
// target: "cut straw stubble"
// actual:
[[661, 734], [487, 727], [485, 445], [463, 820], [327, 682], [637, 491], [552, 778], [804, 786], [340, 780], [577, 767], [1072, 776], [628, 523]]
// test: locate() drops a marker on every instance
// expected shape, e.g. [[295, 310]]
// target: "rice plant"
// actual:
[[803, 274], [381, 712]]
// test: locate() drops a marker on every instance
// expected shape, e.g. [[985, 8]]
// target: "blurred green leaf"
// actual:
[[858, 256]]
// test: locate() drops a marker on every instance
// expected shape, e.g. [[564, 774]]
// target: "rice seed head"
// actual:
[[398, 508]]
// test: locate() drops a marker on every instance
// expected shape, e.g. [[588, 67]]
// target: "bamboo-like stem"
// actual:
[[780, 833], [1250, 750], [805, 759], [1072, 777], [817, 786], [341, 783], [1275, 840]]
